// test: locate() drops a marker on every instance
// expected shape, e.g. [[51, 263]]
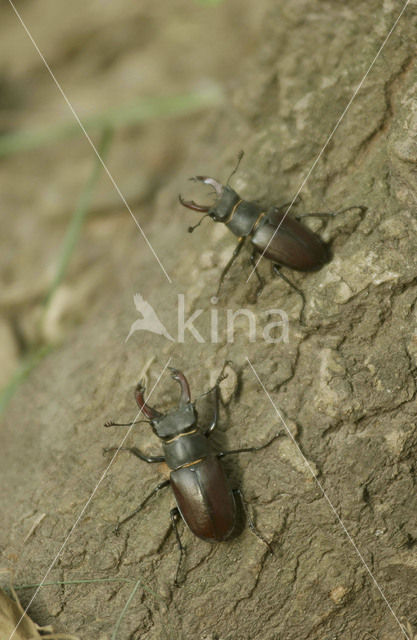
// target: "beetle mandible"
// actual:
[[202, 491], [282, 239]]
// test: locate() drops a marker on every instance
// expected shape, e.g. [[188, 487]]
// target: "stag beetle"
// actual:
[[204, 497], [282, 239]]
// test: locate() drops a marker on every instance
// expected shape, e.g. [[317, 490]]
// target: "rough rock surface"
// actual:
[[345, 382]]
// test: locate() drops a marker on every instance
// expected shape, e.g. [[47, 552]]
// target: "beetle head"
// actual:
[[226, 199], [174, 422]]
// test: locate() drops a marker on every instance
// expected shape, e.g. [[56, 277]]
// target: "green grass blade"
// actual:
[[116, 117], [22, 372], [125, 608], [33, 358], [78, 218]]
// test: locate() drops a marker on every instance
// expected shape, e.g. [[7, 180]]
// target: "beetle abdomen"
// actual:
[[293, 245], [205, 499]]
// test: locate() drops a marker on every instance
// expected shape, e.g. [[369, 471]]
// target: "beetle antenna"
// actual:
[[222, 375], [191, 229], [110, 423], [239, 158]]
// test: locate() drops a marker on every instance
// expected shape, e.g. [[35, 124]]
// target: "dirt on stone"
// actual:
[[335, 494]]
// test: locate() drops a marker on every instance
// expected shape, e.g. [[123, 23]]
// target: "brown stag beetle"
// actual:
[[204, 497], [282, 239]]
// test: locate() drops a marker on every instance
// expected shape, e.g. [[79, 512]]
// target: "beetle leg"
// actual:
[[220, 377], [277, 271], [251, 523], [249, 449], [260, 279], [285, 206], [174, 514], [331, 214], [136, 453], [213, 423], [235, 254], [158, 487]]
